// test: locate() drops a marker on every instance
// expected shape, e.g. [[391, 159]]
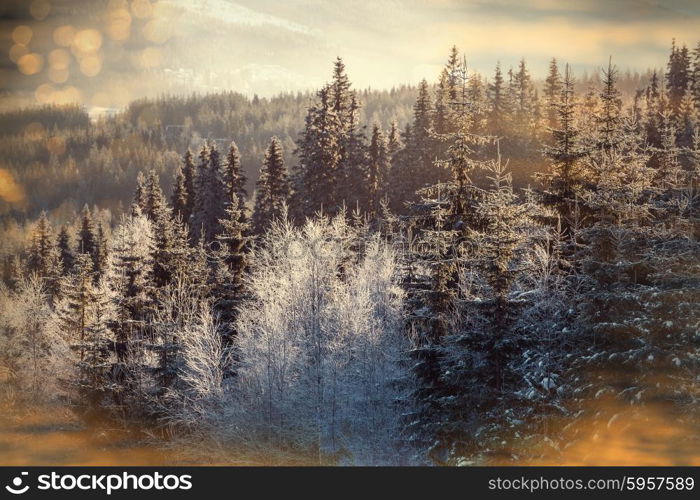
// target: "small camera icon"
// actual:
[[16, 487]]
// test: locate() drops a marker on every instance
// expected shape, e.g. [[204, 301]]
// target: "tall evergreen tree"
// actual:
[[318, 150], [552, 93], [179, 199], [83, 315], [609, 118], [65, 250], [499, 109], [43, 257], [564, 153], [210, 195], [87, 235], [678, 76], [229, 265], [234, 178], [272, 188], [378, 172]]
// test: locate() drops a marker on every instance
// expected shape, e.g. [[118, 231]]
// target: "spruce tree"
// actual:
[[272, 188], [319, 155], [83, 315], [564, 153], [180, 196], [394, 143], [210, 195], [234, 179], [87, 235], [189, 169], [499, 109], [65, 250], [43, 257], [552, 93], [229, 264], [609, 117], [695, 77], [678, 77], [378, 172]]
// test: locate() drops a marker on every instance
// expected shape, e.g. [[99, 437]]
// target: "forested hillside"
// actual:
[[430, 275]]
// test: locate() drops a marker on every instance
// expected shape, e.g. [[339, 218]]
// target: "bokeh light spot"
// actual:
[[17, 51], [22, 35], [59, 59], [43, 93], [30, 64], [59, 75], [64, 35], [40, 9], [90, 65], [141, 8], [87, 41], [151, 57], [157, 31], [118, 24]]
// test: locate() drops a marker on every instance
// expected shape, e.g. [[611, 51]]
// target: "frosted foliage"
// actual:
[[318, 345]]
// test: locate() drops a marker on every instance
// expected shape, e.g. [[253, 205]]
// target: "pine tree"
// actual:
[[129, 280], [609, 117], [677, 77], [414, 166], [82, 316], [272, 188], [140, 191], [565, 153], [180, 196], [229, 265], [378, 172], [552, 93], [171, 250], [695, 79], [65, 250], [210, 195], [524, 97], [87, 237], [189, 169], [499, 109], [43, 257], [394, 143], [234, 178], [443, 108], [318, 150], [99, 258]]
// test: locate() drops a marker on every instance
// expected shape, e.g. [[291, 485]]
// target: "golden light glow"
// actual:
[[151, 57], [17, 51], [141, 8], [118, 24], [30, 64], [157, 31], [43, 93], [64, 35], [10, 190], [59, 75], [59, 59], [87, 41], [39, 9], [90, 65], [22, 35]]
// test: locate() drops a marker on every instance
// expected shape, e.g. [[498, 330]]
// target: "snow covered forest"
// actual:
[[436, 275]]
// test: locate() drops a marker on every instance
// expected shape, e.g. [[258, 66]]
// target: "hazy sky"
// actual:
[[120, 49]]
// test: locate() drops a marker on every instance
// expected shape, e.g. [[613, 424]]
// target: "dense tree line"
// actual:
[[392, 294]]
